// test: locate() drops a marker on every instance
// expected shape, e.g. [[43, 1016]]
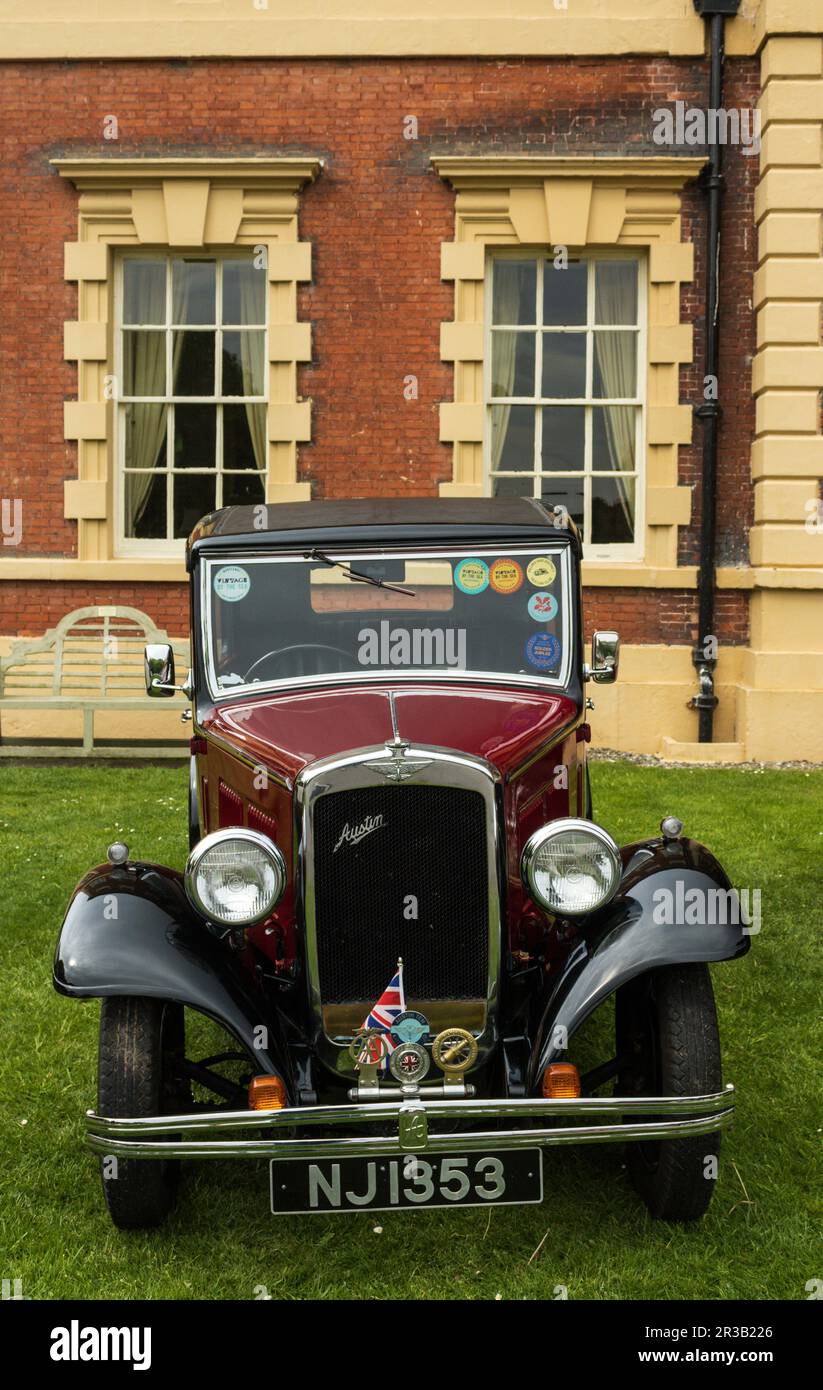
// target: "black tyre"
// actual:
[[141, 1041], [667, 1030]]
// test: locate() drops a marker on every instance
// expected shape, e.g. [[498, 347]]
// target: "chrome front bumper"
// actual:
[[410, 1127]]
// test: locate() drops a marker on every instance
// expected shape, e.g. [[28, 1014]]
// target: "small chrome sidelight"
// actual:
[[605, 659]]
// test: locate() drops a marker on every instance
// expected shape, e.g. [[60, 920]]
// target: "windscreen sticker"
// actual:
[[541, 571], [471, 576], [543, 650], [231, 583], [505, 576], [542, 607]]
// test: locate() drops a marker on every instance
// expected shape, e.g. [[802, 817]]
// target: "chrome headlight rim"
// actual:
[[217, 837], [554, 830]]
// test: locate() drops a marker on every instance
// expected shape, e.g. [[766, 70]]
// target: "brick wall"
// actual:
[[27, 609], [664, 616], [376, 218]]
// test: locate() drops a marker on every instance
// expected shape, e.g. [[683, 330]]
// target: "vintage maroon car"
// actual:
[[398, 904]]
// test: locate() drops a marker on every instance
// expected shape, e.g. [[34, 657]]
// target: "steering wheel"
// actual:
[[301, 666]]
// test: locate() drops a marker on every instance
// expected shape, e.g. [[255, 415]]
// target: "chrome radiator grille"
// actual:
[[382, 854]]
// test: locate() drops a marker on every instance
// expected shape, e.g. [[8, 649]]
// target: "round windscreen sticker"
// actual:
[[541, 571], [543, 651], [471, 576], [505, 576], [231, 583], [542, 607]]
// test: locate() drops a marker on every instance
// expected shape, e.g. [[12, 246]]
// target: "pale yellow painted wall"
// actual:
[[359, 28], [779, 698]]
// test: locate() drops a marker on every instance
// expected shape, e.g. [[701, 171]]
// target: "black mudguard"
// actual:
[[627, 938], [130, 930]]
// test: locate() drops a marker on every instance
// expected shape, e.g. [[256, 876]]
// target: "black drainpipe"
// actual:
[[714, 12]]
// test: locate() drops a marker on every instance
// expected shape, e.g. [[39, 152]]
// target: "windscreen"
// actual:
[[298, 618]]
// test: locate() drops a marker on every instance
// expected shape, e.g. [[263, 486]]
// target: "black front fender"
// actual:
[[130, 930], [642, 929]]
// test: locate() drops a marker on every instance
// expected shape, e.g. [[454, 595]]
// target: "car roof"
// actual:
[[381, 520]]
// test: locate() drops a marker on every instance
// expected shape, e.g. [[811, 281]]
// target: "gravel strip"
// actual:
[[612, 755]]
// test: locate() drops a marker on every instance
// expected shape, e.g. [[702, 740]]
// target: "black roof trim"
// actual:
[[371, 521]]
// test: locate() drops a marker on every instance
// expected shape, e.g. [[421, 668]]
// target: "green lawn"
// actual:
[[760, 1239]]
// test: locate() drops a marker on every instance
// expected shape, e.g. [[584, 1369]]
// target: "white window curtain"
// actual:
[[255, 413], [507, 300], [149, 431], [615, 358]]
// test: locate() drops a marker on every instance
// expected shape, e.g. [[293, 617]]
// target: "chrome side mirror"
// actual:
[[605, 658], [159, 665]]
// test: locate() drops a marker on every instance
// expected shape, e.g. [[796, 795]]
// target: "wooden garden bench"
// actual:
[[92, 660]]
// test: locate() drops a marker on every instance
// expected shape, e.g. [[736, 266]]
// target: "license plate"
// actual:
[[506, 1177]]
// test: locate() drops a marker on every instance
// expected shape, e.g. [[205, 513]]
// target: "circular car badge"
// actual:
[[410, 1027], [368, 1047], [541, 571], [454, 1050], [409, 1063]]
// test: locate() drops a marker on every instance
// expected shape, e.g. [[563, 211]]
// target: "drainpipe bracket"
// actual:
[[703, 702], [708, 8], [709, 177]]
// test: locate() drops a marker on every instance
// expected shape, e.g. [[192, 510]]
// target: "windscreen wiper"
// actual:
[[355, 577]]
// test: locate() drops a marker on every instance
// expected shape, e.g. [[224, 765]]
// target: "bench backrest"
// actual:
[[92, 654]]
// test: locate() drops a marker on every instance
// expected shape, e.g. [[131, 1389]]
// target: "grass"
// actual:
[[760, 1238]]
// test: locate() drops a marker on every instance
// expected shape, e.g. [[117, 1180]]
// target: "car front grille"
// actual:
[[382, 853]]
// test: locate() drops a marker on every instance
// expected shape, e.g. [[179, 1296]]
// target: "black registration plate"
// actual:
[[486, 1178]]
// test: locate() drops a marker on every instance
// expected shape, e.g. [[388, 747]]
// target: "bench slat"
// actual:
[[92, 661]]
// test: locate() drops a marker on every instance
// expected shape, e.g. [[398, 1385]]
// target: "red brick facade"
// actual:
[[376, 218]]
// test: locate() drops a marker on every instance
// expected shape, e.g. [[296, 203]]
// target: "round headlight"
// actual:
[[571, 867], [236, 877]]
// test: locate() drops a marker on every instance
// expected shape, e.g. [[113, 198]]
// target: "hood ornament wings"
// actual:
[[397, 767]]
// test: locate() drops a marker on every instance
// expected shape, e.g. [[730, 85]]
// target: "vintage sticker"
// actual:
[[541, 571], [505, 576], [542, 606], [471, 576], [231, 583], [543, 650]]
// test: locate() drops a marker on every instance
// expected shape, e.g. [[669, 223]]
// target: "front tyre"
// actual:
[[141, 1046], [667, 1035]]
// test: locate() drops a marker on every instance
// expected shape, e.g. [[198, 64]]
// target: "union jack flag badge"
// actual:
[[391, 1003]]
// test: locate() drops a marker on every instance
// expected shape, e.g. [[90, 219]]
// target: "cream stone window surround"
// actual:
[[587, 204], [126, 546], [613, 554], [190, 204]]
